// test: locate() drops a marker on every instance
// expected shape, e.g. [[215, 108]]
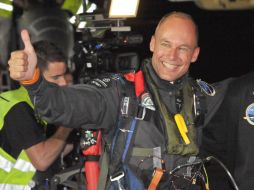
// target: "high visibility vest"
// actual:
[[15, 174], [7, 11]]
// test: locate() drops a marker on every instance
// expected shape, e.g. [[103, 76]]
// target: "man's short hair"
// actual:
[[182, 15], [48, 52]]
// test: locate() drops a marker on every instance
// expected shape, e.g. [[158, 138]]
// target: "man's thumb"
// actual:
[[26, 40]]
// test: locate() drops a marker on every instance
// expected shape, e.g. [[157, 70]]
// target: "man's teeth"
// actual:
[[170, 65]]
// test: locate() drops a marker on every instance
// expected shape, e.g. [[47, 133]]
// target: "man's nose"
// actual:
[[62, 81], [173, 53]]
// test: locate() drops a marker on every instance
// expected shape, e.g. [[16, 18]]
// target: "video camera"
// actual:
[[111, 53]]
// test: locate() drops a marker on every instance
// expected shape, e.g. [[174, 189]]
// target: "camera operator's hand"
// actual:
[[22, 63]]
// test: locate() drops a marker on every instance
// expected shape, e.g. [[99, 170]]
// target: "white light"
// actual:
[[89, 65], [82, 24], [6, 7], [72, 20], [92, 8], [123, 8], [89, 10], [80, 10]]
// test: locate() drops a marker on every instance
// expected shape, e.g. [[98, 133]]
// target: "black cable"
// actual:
[[184, 165], [225, 168], [198, 172], [171, 173], [207, 159]]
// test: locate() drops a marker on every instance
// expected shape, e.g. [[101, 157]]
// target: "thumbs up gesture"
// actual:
[[22, 63]]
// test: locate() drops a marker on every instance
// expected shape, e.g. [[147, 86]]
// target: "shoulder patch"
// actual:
[[101, 82], [105, 80], [249, 114], [208, 89]]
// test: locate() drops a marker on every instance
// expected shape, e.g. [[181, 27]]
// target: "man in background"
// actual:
[[229, 134], [24, 147], [0, 78]]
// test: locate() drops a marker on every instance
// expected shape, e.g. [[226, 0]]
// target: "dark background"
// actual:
[[226, 37]]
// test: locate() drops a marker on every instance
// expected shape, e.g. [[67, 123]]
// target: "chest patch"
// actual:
[[147, 102]]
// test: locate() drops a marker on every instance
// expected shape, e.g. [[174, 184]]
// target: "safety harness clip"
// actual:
[[117, 178]]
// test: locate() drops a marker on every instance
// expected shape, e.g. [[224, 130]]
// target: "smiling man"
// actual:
[[158, 111]]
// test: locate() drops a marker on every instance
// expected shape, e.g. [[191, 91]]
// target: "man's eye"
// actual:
[[55, 77], [165, 45], [183, 49]]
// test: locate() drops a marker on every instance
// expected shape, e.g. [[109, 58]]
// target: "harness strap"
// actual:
[[92, 157], [129, 139], [158, 173], [130, 108], [146, 152], [144, 113], [138, 79], [103, 171]]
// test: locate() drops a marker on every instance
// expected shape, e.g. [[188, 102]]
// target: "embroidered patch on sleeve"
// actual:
[[249, 114], [101, 82]]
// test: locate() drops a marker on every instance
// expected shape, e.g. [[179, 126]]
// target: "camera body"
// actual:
[[95, 56]]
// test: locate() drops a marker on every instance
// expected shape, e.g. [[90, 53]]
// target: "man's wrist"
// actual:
[[35, 78], [62, 133]]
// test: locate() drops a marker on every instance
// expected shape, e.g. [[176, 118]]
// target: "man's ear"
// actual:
[[152, 43], [195, 54]]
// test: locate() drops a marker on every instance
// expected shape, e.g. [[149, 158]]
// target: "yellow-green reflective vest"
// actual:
[[4, 12], [15, 174]]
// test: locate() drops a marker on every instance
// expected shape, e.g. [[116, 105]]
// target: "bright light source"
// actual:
[[6, 7], [92, 7], [82, 24], [80, 9], [72, 20], [123, 8]]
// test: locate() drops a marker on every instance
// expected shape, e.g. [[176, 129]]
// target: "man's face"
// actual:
[[174, 47], [55, 73]]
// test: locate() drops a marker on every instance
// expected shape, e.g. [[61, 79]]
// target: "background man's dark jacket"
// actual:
[[230, 137]]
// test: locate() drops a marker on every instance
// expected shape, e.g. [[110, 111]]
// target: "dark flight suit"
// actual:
[[230, 133], [96, 106]]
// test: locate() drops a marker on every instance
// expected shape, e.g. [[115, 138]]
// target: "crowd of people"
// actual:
[[159, 126]]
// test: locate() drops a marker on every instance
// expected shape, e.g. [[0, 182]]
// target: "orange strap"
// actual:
[[158, 173], [35, 78]]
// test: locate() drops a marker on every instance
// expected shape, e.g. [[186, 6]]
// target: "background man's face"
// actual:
[[55, 73]]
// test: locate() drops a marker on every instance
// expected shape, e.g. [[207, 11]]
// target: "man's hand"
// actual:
[[22, 63]]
